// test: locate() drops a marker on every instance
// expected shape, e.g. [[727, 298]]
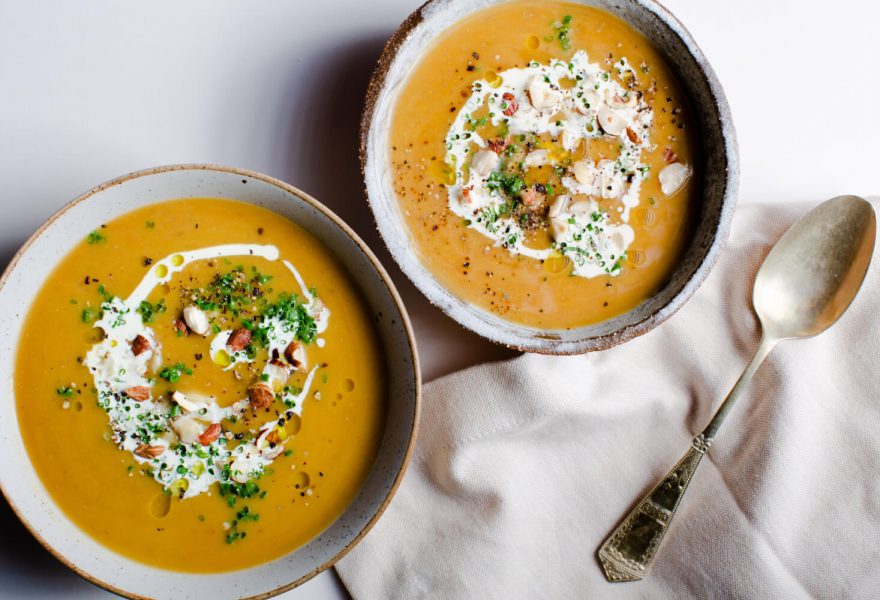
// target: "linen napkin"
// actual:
[[524, 467]]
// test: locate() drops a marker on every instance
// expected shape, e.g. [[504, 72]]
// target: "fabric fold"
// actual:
[[523, 467]]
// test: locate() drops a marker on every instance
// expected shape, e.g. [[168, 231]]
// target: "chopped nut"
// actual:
[[147, 451], [512, 104], [484, 162], [672, 177], [187, 428], [138, 393], [271, 453], [531, 197], [584, 171], [466, 194], [261, 396], [537, 158], [618, 102], [542, 95], [238, 339], [559, 206], [180, 327], [611, 122], [633, 136], [580, 207], [296, 355], [139, 345], [273, 437], [187, 404], [156, 360], [669, 156], [569, 140], [498, 145], [558, 214], [277, 371], [196, 320], [210, 434]]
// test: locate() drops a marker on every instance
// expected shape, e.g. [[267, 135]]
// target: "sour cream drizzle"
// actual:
[[116, 370], [164, 269], [534, 101]]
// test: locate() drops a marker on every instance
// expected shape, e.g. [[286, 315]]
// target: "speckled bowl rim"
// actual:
[[391, 289], [466, 314]]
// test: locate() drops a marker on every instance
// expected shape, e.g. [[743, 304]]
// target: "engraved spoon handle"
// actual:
[[628, 552]]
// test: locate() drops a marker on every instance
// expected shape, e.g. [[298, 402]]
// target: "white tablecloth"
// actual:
[[523, 467]]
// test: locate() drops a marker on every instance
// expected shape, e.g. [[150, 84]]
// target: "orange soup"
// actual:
[[199, 386], [544, 161]]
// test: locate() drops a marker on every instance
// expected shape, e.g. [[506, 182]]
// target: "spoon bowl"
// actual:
[[812, 274]]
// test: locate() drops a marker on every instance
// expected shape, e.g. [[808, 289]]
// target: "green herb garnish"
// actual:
[[95, 238], [563, 30], [149, 311], [173, 373]]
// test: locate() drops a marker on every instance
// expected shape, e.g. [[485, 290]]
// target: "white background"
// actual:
[[93, 90]]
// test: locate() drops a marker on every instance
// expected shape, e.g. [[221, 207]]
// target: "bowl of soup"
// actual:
[[211, 387], [556, 176]]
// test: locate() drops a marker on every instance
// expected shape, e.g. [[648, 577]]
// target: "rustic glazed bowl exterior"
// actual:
[[32, 267], [719, 180]]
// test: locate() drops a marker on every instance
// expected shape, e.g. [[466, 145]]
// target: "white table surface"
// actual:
[[92, 90]]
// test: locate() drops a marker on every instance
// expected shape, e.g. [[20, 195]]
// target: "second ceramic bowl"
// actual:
[[719, 179]]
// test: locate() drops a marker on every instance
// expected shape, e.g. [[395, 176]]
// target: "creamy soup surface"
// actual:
[[544, 160], [199, 385]]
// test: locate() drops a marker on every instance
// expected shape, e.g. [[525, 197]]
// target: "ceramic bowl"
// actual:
[[719, 181], [30, 269]]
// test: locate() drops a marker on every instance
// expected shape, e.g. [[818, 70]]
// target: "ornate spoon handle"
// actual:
[[629, 550]]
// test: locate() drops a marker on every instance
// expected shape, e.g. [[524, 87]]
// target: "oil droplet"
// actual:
[[179, 487], [442, 172], [161, 270], [348, 385], [164, 289], [533, 42], [221, 358], [161, 506], [494, 79], [301, 480], [635, 257], [106, 436], [293, 425], [557, 263], [177, 260], [78, 406]]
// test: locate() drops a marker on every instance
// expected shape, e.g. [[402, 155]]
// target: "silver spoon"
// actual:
[[805, 284]]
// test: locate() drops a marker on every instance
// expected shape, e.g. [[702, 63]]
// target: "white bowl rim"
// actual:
[[386, 280]]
